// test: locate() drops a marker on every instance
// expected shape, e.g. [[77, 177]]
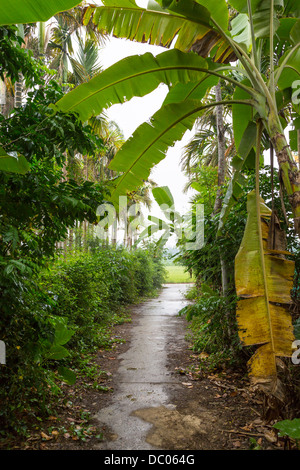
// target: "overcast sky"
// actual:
[[138, 110]]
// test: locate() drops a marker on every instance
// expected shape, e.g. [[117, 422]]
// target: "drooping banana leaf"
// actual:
[[31, 11], [150, 141], [132, 76], [264, 279], [187, 22], [289, 64]]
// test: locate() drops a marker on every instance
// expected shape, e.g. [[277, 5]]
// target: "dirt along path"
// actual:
[[158, 398], [160, 401]]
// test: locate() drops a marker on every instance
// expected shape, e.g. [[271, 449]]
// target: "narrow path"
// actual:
[[144, 383]]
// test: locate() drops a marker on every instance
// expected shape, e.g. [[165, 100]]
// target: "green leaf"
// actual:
[[241, 5], [62, 334], [289, 427], [189, 24], [293, 134], [31, 11], [238, 181], [248, 140], [261, 19], [199, 10], [132, 76], [67, 374], [241, 115], [240, 30], [295, 33], [57, 352], [149, 144], [191, 91], [163, 195], [261, 15], [291, 69], [13, 164]]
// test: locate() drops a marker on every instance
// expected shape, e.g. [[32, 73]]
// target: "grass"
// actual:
[[176, 274]]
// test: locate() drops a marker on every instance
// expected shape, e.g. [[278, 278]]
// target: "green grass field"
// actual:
[[176, 274]]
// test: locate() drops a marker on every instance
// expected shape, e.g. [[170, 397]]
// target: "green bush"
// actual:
[[52, 321], [213, 326]]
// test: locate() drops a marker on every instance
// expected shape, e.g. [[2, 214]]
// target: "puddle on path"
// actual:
[[143, 378]]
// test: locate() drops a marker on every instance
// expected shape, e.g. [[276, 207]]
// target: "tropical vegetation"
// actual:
[[232, 71]]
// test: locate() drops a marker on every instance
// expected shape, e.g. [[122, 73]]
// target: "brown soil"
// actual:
[[212, 411]]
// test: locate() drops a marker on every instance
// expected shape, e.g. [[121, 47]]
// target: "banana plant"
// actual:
[[32, 11], [235, 50], [264, 279]]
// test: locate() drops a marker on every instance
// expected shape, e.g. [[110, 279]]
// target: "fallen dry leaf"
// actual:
[[236, 443], [270, 436]]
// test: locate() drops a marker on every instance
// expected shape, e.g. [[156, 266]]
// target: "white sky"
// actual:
[[130, 115]]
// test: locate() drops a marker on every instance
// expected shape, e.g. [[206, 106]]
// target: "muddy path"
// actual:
[[158, 398], [143, 381], [158, 403]]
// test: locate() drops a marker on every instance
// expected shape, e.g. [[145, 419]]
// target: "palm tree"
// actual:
[[66, 32], [203, 149]]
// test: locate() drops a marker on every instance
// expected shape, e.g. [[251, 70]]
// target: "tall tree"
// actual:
[[204, 29]]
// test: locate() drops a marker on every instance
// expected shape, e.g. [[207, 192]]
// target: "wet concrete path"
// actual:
[[143, 379]]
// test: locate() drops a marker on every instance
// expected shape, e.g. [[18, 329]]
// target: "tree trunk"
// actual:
[[18, 91], [289, 174], [221, 149], [221, 177]]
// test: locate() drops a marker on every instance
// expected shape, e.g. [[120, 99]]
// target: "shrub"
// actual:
[[213, 326], [52, 320]]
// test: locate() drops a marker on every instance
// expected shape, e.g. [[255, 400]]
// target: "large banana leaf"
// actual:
[[264, 278], [187, 22], [289, 65], [30, 11], [132, 76], [149, 144]]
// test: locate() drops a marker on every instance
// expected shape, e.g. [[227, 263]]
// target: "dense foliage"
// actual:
[[212, 316], [59, 318]]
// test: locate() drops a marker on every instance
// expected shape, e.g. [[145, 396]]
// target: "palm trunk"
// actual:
[[221, 178], [221, 149]]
